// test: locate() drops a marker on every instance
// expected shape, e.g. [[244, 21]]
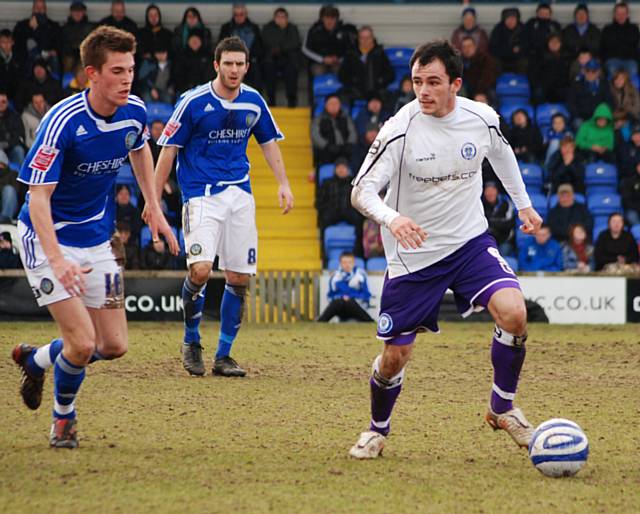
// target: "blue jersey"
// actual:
[[82, 152], [212, 135]]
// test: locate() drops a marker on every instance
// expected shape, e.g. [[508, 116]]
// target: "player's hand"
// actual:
[[407, 232], [70, 275], [158, 225], [285, 198], [531, 220]]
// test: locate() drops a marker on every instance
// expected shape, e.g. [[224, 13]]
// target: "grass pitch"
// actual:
[[154, 440]]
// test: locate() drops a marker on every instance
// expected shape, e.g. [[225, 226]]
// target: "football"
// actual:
[[559, 448]]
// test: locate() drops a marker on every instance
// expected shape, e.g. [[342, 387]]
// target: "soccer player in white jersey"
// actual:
[[67, 221], [209, 131], [435, 236]]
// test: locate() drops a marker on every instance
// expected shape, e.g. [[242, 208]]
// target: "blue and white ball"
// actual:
[[559, 448]]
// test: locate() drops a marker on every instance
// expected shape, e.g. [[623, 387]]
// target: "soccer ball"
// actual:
[[559, 448]]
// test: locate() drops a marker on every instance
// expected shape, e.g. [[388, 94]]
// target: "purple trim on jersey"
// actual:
[[410, 303]]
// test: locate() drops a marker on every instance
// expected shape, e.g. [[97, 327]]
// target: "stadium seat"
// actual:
[[376, 264], [539, 203], [604, 204], [635, 232], [512, 86], [325, 171], [544, 113], [512, 262], [183, 247], [357, 107], [601, 177], [399, 56], [126, 176], [326, 84], [578, 197], [508, 108], [159, 111], [521, 237], [635, 80], [341, 236], [145, 236], [318, 106], [598, 227], [532, 175]]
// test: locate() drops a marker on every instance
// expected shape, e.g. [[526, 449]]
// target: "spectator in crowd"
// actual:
[[362, 147], [568, 212], [333, 133], [577, 251], [566, 166], [155, 131], [78, 83], [581, 34], [191, 21], [577, 69], [38, 37], [470, 28], [404, 95], [193, 65], [11, 70], [9, 258], [595, 138], [507, 42], [624, 95], [554, 134], [74, 31], [372, 116], [282, 51], [365, 69], [153, 36], [328, 41], [8, 191], [628, 154], [171, 201], [241, 26], [480, 71], [630, 192], [615, 245], [125, 210], [524, 137], [155, 255], [620, 42], [11, 132], [549, 75], [119, 19], [371, 239], [348, 292], [538, 29], [131, 247], [499, 213], [540, 253], [586, 93], [40, 82], [155, 77], [31, 117]]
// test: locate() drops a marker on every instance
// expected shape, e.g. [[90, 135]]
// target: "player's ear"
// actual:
[[456, 85], [91, 72]]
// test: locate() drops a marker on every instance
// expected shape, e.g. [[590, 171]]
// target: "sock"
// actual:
[[507, 357], [231, 311], [192, 306], [97, 356], [384, 393], [67, 378], [44, 357]]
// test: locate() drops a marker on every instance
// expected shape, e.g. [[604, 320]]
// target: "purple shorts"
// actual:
[[411, 303]]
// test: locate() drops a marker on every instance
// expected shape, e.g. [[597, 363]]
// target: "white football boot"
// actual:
[[369, 446], [514, 423]]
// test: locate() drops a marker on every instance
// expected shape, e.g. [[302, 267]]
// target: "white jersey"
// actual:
[[433, 169]]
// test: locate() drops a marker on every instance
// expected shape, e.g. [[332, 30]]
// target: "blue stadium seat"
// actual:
[[508, 108], [159, 111], [539, 203], [544, 113], [324, 85], [512, 262], [635, 232], [603, 204], [532, 175], [145, 236], [598, 227], [325, 171], [126, 176], [357, 107], [376, 264], [183, 247], [341, 236], [601, 177], [635, 80], [318, 106], [399, 56], [66, 79], [578, 197], [512, 86], [521, 237]]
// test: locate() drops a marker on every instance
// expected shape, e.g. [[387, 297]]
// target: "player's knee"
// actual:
[[199, 272], [114, 349], [514, 318], [237, 279], [394, 359]]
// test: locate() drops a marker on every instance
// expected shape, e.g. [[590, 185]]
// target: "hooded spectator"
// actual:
[[596, 137]]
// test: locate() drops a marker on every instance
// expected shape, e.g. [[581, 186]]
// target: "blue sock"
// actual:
[[43, 358], [67, 378], [192, 306], [231, 311]]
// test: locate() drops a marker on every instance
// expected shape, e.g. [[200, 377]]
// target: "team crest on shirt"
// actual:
[[171, 128], [249, 119], [385, 323], [195, 249], [468, 151], [46, 286], [44, 157], [130, 139]]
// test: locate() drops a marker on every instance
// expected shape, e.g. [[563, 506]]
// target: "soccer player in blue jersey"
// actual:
[[209, 131], [66, 224]]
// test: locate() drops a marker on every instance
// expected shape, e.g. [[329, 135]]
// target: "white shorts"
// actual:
[[104, 284], [223, 224]]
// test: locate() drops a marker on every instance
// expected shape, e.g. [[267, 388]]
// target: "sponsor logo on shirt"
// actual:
[[464, 175], [171, 128], [99, 167], [44, 157], [223, 135], [209, 108], [81, 131], [430, 157]]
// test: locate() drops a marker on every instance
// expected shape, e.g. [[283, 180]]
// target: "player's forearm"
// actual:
[[40, 214], [142, 164], [506, 168], [273, 155], [163, 167], [366, 199]]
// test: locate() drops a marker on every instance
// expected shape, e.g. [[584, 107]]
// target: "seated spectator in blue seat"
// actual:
[[524, 137], [8, 191], [577, 251], [373, 116], [156, 256], [628, 154], [596, 137], [499, 214], [11, 132], [630, 192], [566, 166], [615, 246], [555, 133], [581, 34], [541, 253], [619, 45], [480, 71], [155, 77], [360, 151], [549, 76], [131, 246], [9, 259], [32, 116], [125, 211], [470, 28], [153, 35], [587, 92], [578, 69], [568, 212], [624, 95], [403, 96], [348, 292], [333, 133]]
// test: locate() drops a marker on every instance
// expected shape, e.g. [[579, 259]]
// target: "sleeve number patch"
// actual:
[[251, 257]]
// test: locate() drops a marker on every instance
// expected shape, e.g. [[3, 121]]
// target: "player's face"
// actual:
[[231, 69], [112, 82], [433, 88]]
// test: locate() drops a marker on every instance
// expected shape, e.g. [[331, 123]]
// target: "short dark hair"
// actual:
[[281, 10], [6, 33], [94, 48], [231, 44], [442, 50], [347, 253], [329, 11]]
